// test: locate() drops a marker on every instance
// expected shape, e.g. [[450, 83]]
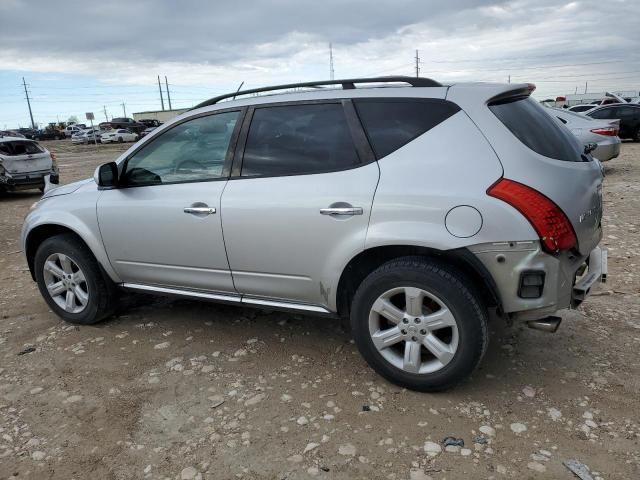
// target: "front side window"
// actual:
[[297, 140], [192, 151]]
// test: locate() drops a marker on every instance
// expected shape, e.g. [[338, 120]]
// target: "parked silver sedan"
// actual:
[[604, 133]]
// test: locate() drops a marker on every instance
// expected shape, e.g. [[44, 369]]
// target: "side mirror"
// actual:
[[106, 175]]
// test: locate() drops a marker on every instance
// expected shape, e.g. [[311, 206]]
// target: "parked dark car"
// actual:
[[150, 122], [27, 132], [48, 134], [629, 115], [127, 123]]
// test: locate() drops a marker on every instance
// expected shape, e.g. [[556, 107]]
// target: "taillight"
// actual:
[[550, 223], [607, 131]]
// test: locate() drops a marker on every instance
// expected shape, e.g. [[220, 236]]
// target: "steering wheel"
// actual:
[[188, 164]]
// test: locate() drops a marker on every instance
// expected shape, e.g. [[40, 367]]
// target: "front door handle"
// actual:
[[200, 210], [341, 211]]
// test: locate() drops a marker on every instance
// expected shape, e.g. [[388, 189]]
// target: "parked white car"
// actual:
[[87, 136], [71, 130], [121, 135], [25, 164], [589, 131]]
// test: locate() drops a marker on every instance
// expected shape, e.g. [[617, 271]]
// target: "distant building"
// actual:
[[160, 115]]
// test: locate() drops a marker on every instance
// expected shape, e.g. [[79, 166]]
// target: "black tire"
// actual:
[[102, 299], [449, 285], [120, 140], [636, 135]]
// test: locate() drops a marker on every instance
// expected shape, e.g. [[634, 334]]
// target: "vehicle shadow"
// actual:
[[20, 195], [327, 340]]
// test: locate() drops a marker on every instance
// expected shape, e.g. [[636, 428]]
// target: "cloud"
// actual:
[[556, 44]]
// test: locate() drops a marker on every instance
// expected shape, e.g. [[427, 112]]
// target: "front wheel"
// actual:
[[120, 140], [636, 135], [71, 282], [417, 324]]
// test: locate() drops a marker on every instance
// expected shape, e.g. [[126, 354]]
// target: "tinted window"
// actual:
[[20, 148], [189, 152], [604, 113], [531, 124], [298, 139], [390, 124]]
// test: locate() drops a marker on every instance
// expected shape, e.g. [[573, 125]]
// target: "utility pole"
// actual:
[[26, 92], [585, 87], [104, 109], [168, 96], [160, 88], [331, 71], [509, 80], [417, 64], [576, 90], [124, 110]]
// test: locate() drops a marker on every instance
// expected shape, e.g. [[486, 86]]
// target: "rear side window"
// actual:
[[298, 140], [530, 124], [608, 113], [392, 123], [20, 147]]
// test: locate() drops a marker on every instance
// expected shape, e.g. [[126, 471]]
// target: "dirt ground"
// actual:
[[173, 389]]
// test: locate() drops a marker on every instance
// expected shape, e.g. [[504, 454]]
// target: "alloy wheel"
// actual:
[[65, 282], [413, 330]]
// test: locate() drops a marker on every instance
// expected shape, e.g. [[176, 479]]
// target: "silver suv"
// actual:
[[412, 208]]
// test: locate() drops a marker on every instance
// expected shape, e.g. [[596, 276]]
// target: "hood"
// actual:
[[66, 189]]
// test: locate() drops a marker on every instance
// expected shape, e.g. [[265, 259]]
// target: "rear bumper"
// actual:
[[26, 181], [607, 149], [568, 279]]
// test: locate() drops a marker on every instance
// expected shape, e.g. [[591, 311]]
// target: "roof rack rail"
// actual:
[[347, 84]]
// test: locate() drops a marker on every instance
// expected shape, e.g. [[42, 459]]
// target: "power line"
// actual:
[[33, 124], [160, 88], [168, 96], [331, 70]]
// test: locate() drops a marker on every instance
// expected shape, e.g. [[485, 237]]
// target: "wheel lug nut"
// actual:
[[416, 320], [404, 332], [405, 320], [414, 339], [423, 332]]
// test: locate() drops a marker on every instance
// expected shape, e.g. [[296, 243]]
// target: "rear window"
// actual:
[[392, 123], [530, 124], [20, 147]]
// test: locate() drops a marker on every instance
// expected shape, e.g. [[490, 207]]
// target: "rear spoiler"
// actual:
[[521, 91]]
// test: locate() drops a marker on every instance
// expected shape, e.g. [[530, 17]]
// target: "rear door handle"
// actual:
[[200, 210], [335, 211]]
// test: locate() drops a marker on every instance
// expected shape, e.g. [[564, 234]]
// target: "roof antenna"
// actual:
[[239, 87]]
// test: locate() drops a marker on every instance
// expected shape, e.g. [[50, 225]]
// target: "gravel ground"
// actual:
[[184, 390]]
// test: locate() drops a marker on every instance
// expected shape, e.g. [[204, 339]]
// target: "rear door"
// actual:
[[24, 156], [299, 200]]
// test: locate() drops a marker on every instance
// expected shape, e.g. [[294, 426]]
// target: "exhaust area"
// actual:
[[549, 324]]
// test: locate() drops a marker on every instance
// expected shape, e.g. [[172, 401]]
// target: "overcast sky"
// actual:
[[81, 56]]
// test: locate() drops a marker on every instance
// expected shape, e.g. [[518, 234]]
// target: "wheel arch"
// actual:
[[368, 260], [40, 233]]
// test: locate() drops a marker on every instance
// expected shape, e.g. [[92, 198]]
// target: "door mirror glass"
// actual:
[[106, 175]]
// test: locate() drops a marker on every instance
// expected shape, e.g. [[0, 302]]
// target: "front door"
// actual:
[[299, 203], [162, 225]]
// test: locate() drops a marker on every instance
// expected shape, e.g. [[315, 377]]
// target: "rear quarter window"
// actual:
[[529, 123], [392, 123]]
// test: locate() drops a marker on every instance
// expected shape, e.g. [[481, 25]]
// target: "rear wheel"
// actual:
[[418, 325], [71, 281], [120, 140], [636, 135]]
